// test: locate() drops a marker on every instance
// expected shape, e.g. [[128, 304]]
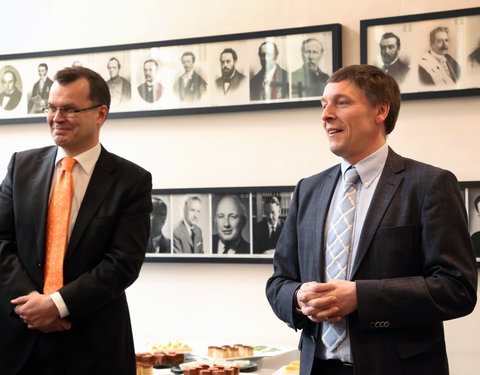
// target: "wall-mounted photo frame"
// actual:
[[471, 194], [238, 72], [240, 224], [431, 55], [217, 225]]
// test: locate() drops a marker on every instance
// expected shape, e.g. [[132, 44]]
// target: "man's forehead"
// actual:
[[388, 41]]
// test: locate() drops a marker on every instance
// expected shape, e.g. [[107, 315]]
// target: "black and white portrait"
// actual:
[[120, 87], [38, 97], [270, 212], [160, 226], [11, 92], [474, 218], [271, 81], [231, 228], [190, 224]]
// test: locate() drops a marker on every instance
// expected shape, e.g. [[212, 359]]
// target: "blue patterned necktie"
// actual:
[[338, 249]]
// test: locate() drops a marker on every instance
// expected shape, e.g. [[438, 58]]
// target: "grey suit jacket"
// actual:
[[104, 255], [414, 268], [183, 242]]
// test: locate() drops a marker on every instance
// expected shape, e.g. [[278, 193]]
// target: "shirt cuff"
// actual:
[[60, 303]]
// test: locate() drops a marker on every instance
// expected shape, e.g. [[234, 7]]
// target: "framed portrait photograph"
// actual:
[[471, 194], [219, 225], [271, 69], [431, 55]]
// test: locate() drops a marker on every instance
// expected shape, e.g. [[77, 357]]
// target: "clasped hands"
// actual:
[[327, 302], [39, 312]]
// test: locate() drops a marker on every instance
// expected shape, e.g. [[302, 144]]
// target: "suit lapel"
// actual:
[[100, 184], [324, 197], [41, 183], [388, 184]]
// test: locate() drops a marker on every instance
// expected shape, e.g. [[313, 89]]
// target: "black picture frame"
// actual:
[[131, 65], [256, 197], [471, 194], [245, 234], [407, 50]]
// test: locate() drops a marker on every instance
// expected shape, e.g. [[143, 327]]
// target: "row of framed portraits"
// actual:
[[431, 55], [239, 225]]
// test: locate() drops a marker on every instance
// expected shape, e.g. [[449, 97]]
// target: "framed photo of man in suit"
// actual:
[[190, 224], [160, 241], [472, 201], [431, 55], [225, 73], [270, 210]]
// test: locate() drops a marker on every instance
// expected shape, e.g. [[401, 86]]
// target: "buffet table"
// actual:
[[260, 363]]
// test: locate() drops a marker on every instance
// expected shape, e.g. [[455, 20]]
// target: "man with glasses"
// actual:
[[71, 319]]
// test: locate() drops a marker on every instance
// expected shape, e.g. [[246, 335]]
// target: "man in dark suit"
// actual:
[[389, 50], [407, 259], [230, 219], [271, 81], [267, 231], [187, 236], [84, 326], [437, 67], [41, 89], [309, 80], [231, 78], [151, 91], [11, 95], [158, 243], [190, 86]]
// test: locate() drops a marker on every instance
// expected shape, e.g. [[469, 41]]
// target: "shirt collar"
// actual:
[[86, 160], [370, 167]]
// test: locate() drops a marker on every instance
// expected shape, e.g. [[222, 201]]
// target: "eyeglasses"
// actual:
[[66, 112]]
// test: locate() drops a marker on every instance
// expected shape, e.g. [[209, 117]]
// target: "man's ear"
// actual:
[[383, 109], [102, 114]]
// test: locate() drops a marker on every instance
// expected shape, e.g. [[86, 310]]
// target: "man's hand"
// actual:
[[327, 302], [39, 312]]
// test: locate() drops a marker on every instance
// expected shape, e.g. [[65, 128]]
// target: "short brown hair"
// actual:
[[99, 92], [378, 86]]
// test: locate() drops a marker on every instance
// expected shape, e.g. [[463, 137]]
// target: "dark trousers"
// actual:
[[46, 358], [331, 367]]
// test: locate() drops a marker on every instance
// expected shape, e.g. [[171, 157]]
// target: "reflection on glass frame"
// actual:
[[471, 194], [234, 225], [431, 55], [238, 72]]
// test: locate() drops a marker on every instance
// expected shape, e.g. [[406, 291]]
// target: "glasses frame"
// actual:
[[48, 113]]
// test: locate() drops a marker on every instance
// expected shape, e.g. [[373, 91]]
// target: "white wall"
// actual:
[[212, 302]]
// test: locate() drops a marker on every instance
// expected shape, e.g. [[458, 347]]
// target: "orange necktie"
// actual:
[[57, 227]]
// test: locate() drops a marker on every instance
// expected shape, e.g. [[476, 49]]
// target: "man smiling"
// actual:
[[375, 253]]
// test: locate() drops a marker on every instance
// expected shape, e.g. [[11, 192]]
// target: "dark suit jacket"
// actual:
[[159, 244], [397, 70], [39, 98], [235, 82], [150, 96], [14, 99], [476, 243], [194, 89], [305, 83], [414, 268], [104, 256], [242, 247], [262, 240], [278, 85], [183, 242]]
